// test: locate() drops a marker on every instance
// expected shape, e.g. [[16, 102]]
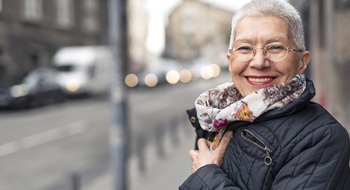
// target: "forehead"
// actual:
[[261, 28]]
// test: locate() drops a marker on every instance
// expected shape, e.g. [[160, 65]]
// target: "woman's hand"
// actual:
[[203, 156]]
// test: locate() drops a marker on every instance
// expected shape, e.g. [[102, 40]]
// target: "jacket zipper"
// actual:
[[258, 143]]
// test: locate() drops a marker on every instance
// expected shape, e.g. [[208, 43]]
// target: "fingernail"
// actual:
[[229, 134]]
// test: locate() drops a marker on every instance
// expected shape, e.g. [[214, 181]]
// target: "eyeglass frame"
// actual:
[[265, 51]]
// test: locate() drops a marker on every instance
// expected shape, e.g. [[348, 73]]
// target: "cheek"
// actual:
[[234, 71], [236, 67], [290, 67]]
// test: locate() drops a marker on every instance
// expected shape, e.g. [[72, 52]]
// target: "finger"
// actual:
[[193, 154], [225, 140], [202, 144], [220, 150]]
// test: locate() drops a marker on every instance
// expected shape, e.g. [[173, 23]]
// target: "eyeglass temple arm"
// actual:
[[297, 50]]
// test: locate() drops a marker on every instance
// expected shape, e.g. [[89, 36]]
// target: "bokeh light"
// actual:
[[131, 80], [185, 76], [151, 80], [172, 77]]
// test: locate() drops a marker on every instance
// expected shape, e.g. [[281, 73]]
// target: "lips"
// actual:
[[260, 80]]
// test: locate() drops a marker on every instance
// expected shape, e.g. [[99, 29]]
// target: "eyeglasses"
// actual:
[[272, 51]]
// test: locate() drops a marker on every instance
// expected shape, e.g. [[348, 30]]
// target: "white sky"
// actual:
[[159, 11], [229, 4]]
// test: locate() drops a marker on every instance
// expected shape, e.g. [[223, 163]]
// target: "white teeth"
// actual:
[[259, 79]]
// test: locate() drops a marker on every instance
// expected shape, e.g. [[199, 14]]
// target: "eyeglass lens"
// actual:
[[273, 52]]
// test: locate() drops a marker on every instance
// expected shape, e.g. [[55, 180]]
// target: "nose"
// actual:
[[259, 60]]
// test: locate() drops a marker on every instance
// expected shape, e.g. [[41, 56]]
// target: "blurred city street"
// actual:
[[65, 146], [167, 172]]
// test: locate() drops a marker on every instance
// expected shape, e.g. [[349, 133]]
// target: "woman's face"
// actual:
[[259, 72]]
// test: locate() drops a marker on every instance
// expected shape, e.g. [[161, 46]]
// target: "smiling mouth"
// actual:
[[260, 80]]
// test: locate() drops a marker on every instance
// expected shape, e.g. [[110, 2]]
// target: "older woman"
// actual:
[[261, 131]]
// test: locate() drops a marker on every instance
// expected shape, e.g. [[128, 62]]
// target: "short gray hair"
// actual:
[[276, 8]]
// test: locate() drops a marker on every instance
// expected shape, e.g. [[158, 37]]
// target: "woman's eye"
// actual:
[[276, 47], [245, 48]]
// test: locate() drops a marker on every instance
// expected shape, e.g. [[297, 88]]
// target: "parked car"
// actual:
[[84, 70], [38, 87]]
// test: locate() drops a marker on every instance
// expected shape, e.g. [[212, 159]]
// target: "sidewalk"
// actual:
[[167, 172]]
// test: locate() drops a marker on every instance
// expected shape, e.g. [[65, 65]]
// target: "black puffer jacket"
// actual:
[[299, 146]]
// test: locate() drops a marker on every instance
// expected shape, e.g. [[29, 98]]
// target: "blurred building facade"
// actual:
[[327, 35], [32, 30], [138, 30], [198, 29]]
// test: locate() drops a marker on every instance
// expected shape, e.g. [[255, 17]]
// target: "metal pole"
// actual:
[[76, 181], [119, 129], [331, 81]]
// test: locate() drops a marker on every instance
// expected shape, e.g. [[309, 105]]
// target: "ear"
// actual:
[[304, 61]]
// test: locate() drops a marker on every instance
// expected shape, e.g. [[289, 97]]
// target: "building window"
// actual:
[[32, 10], [64, 15], [90, 15]]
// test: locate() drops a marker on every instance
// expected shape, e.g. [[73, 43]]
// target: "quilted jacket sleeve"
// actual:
[[318, 161], [209, 177]]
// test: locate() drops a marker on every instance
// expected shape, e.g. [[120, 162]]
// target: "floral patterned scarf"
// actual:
[[224, 104]]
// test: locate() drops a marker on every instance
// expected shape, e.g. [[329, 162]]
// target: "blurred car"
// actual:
[[38, 87], [159, 73], [84, 70], [151, 78]]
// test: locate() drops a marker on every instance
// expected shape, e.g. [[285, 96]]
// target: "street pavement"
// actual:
[[166, 162], [165, 172]]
